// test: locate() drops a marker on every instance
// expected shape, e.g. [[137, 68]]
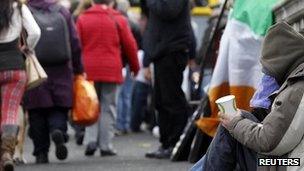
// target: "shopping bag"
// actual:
[[86, 108]]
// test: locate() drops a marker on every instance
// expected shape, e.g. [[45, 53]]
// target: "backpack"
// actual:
[[53, 47]]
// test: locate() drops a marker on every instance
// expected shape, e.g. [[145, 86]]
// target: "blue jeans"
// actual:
[[139, 104], [124, 104], [199, 166]]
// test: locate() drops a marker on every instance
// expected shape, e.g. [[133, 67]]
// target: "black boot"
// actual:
[[59, 140], [160, 153], [42, 158], [91, 148]]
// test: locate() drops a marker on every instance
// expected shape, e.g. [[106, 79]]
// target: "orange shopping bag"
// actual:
[[86, 108]]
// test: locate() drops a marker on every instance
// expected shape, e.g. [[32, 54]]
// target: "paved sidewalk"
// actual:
[[131, 150]]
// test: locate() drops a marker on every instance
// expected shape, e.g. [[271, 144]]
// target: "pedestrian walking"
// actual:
[[14, 16], [125, 90], [59, 53], [105, 38], [166, 45], [139, 100]]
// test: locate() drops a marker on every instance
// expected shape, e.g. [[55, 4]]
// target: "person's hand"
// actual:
[[147, 74], [226, 118], [85, 75]]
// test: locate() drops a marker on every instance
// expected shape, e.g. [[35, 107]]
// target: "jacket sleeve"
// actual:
[[275, 135], [74, 43], [31, 27], [166, 9], [129, 46]]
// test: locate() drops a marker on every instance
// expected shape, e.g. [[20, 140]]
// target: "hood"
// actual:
[[42, 4], [282, 51]]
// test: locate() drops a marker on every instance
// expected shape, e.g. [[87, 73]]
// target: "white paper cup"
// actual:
[[227, 105]]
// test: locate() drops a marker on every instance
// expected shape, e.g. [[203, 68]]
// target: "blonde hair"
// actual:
[[82, 6], [123, 5]]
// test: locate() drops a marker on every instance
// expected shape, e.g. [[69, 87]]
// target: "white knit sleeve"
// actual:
[[31, 27]]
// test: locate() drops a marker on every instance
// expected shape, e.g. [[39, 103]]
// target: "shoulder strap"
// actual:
[[116, 25], [23, 33]]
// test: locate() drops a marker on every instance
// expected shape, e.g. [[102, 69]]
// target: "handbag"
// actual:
[[34, 71]]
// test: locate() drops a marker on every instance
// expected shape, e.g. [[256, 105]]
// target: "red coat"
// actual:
[[102, 46]]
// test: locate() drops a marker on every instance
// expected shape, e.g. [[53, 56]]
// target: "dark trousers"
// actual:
[[226, 153], [44, 121], [170, 101], [138, 104]]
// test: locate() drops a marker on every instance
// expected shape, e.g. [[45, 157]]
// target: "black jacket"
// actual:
[[168, 28]]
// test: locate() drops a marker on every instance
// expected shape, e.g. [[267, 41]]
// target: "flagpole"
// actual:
[[209, 48]]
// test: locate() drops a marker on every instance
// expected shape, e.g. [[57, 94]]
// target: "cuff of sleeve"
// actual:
[[233, 123], [146, 64]]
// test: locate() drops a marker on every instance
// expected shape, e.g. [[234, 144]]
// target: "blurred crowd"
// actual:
[[136, 61]]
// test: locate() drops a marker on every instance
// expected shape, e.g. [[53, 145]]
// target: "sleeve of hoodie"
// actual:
[[166, 9], [74, 43], [280, 131], [129, 45]]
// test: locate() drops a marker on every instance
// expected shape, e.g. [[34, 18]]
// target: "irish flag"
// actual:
[[238, 70]]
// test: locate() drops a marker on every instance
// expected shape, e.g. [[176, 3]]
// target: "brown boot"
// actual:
[[8, 144], [8, 148]]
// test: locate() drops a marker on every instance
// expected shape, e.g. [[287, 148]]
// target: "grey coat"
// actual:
[[281, 132]]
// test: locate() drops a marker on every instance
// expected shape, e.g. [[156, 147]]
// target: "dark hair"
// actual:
[[107, 2], [6, 13]]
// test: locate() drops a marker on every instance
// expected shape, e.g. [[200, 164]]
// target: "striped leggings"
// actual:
[[12, 87]]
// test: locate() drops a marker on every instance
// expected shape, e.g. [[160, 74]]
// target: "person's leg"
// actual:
[[124, 104], [173, 102], [57, 122], [108, 118], [12, 88], [127, 101], [39, 133], [163, 117], [91, 135], [221, 153], [120, 108], [79, 133], [138, 105], [199, 166]]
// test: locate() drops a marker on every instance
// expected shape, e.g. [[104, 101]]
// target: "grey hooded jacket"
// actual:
[[281, 132]]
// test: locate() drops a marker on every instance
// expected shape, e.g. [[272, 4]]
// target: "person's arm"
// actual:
[[31, 27], [167, 9], [129, 46], [279, 132], [74, 42], [79, 30]]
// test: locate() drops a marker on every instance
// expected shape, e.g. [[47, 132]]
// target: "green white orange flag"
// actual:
[[238, 70]]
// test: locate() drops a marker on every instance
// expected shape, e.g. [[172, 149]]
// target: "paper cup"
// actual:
[[227, 105]]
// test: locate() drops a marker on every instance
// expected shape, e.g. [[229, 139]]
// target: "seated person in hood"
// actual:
[[275, 126]]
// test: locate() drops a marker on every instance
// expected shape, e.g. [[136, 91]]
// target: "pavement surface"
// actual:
[[131, 151]]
